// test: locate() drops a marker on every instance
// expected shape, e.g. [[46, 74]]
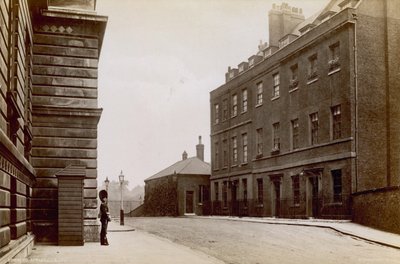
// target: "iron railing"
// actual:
[[338, 207]]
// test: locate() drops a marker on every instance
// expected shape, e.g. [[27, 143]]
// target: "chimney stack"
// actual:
[[184, 155], [200, 150], [282, 20]]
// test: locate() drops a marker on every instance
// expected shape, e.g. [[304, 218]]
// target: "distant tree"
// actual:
[[114, 191]]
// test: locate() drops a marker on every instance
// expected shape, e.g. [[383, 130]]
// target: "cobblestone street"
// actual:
[[252, 243]]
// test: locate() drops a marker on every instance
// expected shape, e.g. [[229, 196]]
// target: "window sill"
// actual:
[[312, 80], [259, 205], [275, 98], [294, 89], [234, 116], [234, 166], [244, 164], [275, 151], [295, 206], [258, 105], [243, 112], [259, 156], [334, 71], [334, 204]]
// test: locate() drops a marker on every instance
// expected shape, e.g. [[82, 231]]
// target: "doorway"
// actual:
[[234, 201], [314, 196], [189, 202], [277, 188]]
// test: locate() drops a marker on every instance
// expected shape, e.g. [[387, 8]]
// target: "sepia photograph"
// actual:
[[200, 131]]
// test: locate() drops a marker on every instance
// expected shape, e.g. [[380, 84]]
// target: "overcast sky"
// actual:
[[159, 61]]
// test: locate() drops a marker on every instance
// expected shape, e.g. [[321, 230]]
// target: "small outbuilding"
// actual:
[[180, 189]]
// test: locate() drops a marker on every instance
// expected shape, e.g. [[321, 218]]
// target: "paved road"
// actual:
[[260, 243], [125, 247]]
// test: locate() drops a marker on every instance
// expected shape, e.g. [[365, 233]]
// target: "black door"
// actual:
[[277, 198], [315, 200], [189, 202], [234, 200]]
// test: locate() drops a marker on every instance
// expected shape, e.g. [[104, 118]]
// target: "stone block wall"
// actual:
[[66, 50], [17, 176]]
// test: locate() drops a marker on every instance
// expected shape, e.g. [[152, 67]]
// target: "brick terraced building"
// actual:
[[309, 126], [48, 121]]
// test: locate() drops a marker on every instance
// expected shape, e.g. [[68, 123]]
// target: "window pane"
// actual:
[[234, 105], [336, 122], [234, 150], [295, 133], [276, 136], [244, 144], [216, 155], [337, 185], [216, 113], [314, 128], [244, 102], [296, 189], [224, 109], [259, 93], [259, 141], [276, 85]]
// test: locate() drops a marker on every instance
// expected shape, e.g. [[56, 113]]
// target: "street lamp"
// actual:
[[121, 181], [106, 182]]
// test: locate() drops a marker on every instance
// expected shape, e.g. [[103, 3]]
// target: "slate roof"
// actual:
[[189, 166]]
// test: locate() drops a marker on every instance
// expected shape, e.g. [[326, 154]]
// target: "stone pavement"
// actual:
[[130, 246], [345, 227], [126, 246]]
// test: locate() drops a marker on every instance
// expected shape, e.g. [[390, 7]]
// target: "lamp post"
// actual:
[[106, 182], [121, 181]]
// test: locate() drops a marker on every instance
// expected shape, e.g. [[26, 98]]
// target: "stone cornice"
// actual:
[[94, 113], [10, 152], [66, 111], [72, 14]]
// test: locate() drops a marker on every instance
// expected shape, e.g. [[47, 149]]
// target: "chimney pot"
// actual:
[[200, 150], [184, 155]]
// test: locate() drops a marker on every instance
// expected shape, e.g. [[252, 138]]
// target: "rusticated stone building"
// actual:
[[308, 127], [182, 188], [48, 121]]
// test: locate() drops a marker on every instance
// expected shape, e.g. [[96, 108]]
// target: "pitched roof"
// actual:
[[191, 165]]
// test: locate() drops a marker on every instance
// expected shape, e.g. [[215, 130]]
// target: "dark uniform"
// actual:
[[104, 219]]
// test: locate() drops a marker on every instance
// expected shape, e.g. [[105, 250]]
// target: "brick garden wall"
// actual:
[[379, 208]]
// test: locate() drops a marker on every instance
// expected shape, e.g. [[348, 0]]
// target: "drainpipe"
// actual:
[[388, 132], [356, 98]]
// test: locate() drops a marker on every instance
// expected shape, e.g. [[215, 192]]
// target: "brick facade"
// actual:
[[182, 188], [328, 111]]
